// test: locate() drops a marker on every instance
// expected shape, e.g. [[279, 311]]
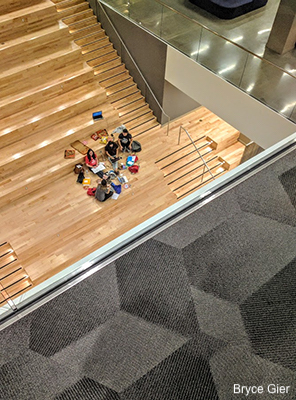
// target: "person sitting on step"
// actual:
[[104, 191], [111, 150], [91, 159], [125, 140]]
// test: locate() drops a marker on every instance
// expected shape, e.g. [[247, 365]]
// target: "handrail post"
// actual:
[[205, 164], [179, 134]]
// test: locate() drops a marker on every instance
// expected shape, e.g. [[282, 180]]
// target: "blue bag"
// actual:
[[117, 188]]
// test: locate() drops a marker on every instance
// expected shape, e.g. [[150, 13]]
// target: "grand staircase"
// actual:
[[99, 53], [57, 68]]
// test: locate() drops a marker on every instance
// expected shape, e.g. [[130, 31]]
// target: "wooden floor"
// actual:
[[46, 102]]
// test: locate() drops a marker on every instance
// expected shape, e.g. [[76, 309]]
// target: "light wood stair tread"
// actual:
[[120, 77], [87, 30], [83, 6], [78, 17], [22, 100], [26, 10], [107, 65], [64, 4], [16, 151], [26, 65], [30, 35], [40, 111], [77, 26], [91, 37]]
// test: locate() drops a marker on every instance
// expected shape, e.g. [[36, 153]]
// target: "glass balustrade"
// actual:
[[259, 78]]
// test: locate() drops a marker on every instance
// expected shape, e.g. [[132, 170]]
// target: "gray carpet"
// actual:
[[207, 304]]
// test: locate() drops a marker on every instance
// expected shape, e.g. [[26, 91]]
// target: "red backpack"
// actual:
[[133, 169], [91, 191]]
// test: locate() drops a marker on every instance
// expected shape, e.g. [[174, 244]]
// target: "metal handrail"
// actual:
[[205, 164], [131, 57]]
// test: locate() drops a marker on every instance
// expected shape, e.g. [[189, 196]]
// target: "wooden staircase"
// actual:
[[47, 96], [183, 168], [99, 53], [13, 277]]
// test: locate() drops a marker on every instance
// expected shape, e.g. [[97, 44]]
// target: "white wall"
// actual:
[[176, 103], [249, 116]]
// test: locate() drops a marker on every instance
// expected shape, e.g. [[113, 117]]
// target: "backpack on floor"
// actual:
[[91, 191], [133, 169], [136, 146]]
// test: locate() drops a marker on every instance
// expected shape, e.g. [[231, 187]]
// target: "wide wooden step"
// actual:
[[233, 154], [26, 180], [29, 19], [40, 46], [41, 116], [90, 38], [12, 6], [23, 153], [20, 79], [224, 138], [47, 90], [32, 35]]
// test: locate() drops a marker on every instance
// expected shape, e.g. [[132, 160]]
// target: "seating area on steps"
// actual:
[[46, 103]]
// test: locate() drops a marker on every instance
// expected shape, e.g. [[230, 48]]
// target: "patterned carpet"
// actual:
[[197, 312]]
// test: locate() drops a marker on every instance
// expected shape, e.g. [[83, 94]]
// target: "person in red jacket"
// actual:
[[91, 159]]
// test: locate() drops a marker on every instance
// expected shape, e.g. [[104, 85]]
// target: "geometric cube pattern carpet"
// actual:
[[205, 310]]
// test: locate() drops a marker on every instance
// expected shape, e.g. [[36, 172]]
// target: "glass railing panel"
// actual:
[[270, 85], [122, 6], [254, 75], [183, 36], [146, 13], [222, 57]]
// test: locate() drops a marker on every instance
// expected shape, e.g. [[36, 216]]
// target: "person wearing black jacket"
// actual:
[[125, 140], [112, 150]]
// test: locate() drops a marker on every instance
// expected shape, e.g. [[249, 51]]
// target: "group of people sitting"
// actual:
[[124, 144]]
